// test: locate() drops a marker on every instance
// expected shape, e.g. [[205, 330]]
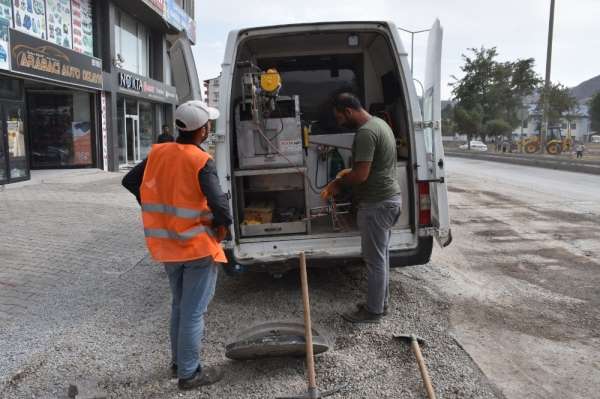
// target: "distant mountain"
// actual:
[[586, 89]]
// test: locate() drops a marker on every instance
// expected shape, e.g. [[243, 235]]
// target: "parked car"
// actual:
[[475, 145]]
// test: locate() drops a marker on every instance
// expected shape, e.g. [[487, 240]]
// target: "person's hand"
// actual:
[[222, 233], [343, 173], [331, 190]]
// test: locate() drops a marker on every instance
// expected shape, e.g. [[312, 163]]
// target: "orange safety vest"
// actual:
[[177, 219]]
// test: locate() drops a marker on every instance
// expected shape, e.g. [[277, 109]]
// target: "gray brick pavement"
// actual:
[[53, 234]]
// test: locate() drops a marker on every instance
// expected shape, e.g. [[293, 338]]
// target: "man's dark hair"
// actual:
[[165, 126], [346, 100]]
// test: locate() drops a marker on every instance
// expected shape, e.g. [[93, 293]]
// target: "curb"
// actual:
[[591, 167]]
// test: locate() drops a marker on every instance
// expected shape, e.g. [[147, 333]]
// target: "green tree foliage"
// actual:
[[561, 104], [448, 124], [497, 127], [468, 122], [498, 88], [594, 112]]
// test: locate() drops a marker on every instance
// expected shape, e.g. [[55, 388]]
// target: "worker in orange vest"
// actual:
[[186, 216]]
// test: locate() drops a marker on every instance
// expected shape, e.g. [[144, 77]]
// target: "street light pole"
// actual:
[[548, 70], [412, 44]]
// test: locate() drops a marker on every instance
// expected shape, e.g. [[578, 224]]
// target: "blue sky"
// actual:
[[518, 28]]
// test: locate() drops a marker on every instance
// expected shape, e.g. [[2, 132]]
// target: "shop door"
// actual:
[[14, 165], [132, 136]]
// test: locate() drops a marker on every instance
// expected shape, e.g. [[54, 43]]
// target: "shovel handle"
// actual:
[[310, 360], [422, 368]]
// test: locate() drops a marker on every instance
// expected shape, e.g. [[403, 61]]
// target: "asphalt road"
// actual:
[[522, 276]]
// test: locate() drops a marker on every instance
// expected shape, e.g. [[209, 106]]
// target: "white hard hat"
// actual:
[[192, 115]]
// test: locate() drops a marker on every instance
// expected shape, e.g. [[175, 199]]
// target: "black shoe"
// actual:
[[173, 370], [362, 315], [362, 305], [209, 375]]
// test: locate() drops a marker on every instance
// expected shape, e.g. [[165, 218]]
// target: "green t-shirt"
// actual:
[[374, 142]]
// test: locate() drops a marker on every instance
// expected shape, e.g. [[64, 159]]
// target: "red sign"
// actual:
[[158, 4]]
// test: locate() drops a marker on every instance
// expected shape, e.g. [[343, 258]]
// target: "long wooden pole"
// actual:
[[422, 368], [310, 360]]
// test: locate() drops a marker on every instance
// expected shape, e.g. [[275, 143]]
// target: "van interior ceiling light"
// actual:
[[353, 40]]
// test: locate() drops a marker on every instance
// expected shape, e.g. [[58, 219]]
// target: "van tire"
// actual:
[[417, 256]]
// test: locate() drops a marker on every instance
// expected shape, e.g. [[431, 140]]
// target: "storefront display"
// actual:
[[17, 158], [83, 36], [30, 17], [60, 129], [59, 22]]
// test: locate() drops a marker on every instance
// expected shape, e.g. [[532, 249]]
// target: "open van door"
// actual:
[[432, 131], [185, 75]]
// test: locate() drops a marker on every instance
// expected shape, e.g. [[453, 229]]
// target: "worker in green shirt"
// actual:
[[376, 190]]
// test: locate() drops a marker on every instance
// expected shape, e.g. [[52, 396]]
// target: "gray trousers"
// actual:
[[375, 221]]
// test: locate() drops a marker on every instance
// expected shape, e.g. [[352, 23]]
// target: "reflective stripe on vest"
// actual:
[[185, 235], [176, 211]]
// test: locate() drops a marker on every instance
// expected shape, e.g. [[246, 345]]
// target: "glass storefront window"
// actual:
[[146, 128], [17, 158], [60, 129]]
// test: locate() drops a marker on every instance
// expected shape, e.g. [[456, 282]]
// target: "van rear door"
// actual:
[[185, 75], [432, 134]]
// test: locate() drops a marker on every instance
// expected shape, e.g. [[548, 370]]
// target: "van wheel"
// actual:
[[417, 256]]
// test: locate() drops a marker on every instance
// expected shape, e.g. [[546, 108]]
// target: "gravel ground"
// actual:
[[115, 332], [104, 322]]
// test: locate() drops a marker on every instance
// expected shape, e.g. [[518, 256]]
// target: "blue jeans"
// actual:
[[375, 221], [192, 286]]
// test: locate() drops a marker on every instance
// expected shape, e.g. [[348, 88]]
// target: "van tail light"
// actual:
[[424, 204]]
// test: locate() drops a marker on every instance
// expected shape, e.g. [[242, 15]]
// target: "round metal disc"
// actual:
[[274, 346]]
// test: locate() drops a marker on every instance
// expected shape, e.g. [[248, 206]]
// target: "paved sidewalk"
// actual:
[[54, 229]]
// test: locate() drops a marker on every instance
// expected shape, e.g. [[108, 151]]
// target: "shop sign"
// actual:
[[141, 86], [4, 46], [104, 132], [33, 56], [130, 82], [30, 17], [83, 38], [177, 17], [59, 22]]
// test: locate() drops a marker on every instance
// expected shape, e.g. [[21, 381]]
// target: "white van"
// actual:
[[277, 145]]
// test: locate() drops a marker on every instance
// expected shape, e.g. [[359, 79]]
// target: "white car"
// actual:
[[475, 145]]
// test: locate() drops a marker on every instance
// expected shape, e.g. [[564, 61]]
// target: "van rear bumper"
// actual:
[[279, 256]]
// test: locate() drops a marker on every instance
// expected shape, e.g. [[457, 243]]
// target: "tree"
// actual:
[[560, 104], [594, 112], [497, 127], [448, 124], [468, 121], [498, 88]]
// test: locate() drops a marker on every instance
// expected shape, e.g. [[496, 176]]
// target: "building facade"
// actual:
[[85, 83], [578, 124], [211, 91]]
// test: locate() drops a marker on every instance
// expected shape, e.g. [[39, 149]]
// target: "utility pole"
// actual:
[[548, 82], [412, 44]]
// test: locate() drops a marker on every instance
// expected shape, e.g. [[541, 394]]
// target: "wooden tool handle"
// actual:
[[424, 374], [310, 360]]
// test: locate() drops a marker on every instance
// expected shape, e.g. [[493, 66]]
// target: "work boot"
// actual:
[[203, 376], [385, 308], [362, 315]]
